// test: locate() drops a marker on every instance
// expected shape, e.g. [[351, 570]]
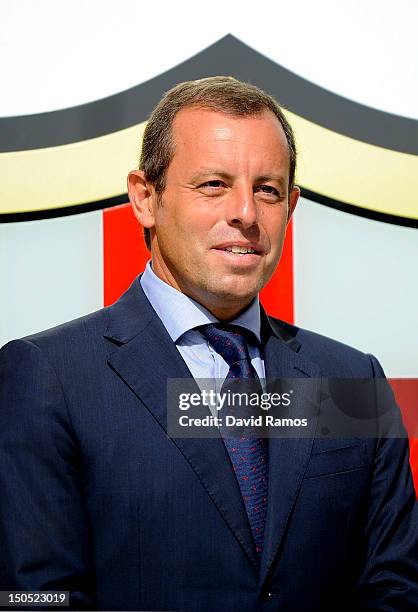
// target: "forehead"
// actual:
[[205, 131]]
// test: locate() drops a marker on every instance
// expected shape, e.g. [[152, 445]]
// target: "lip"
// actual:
[[239, 243], [235, 261]]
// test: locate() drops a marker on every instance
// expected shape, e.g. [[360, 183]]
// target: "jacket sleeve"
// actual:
[[44, 533], [389, 580]]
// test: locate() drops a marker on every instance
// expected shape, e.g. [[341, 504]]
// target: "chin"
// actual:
[[236, 292]]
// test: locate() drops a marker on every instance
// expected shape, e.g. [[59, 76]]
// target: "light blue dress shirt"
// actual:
[[180, 314]]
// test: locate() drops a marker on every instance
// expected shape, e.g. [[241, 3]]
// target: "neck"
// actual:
[[225, 308], [225, 314]]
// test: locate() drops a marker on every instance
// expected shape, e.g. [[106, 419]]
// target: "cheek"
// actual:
[[275, 228], [185, 237], [171, 225], [197, 228], [188, 217]]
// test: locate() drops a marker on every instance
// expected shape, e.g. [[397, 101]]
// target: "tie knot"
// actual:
[[227, 340]]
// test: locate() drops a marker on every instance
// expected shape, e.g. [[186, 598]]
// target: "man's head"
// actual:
[[216, 171]]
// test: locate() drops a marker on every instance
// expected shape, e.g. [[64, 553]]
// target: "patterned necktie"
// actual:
[[248, 455]]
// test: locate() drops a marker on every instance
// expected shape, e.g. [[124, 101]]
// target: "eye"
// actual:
[[268, 189], [215, 184], [213, 188]]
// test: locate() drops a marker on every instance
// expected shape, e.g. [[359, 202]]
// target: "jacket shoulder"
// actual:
[[79, 337], [334, 358], [92, 324]]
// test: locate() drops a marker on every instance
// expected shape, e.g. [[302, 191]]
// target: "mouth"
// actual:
[[240, 249], [239, 255]]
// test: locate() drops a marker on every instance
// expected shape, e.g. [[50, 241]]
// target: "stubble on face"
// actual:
[[217, 195]]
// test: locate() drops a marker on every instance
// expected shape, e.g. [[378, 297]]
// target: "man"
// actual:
[[99, 500]]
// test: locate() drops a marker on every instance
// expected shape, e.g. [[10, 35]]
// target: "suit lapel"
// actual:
[[288, 457], [145, 358]]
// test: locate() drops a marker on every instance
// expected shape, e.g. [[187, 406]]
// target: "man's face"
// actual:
[[218, 231]]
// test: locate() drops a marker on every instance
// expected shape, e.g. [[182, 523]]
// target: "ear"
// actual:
[[142, 197], [293, 200]]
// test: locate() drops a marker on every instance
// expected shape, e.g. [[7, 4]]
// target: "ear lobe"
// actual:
[[141, 196], [293, 200]]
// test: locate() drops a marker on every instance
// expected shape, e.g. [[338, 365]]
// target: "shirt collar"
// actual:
[[180, 313]]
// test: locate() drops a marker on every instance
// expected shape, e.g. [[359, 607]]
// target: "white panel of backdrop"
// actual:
[[51, 271], [356, 281]]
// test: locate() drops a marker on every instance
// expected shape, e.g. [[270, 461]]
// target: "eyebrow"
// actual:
[[208, 173]]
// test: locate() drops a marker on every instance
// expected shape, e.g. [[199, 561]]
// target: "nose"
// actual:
[[242, 208]]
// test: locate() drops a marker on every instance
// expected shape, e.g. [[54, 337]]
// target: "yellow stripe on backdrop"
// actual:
[[356, 172], [330, 164], [68, 175]]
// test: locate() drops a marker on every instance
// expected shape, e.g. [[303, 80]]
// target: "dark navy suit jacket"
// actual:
[[97, 499]]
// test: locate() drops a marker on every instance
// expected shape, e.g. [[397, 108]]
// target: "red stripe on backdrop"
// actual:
[[125, 256], [413, 448], [406, 393], [277, 295], [124, 251]]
